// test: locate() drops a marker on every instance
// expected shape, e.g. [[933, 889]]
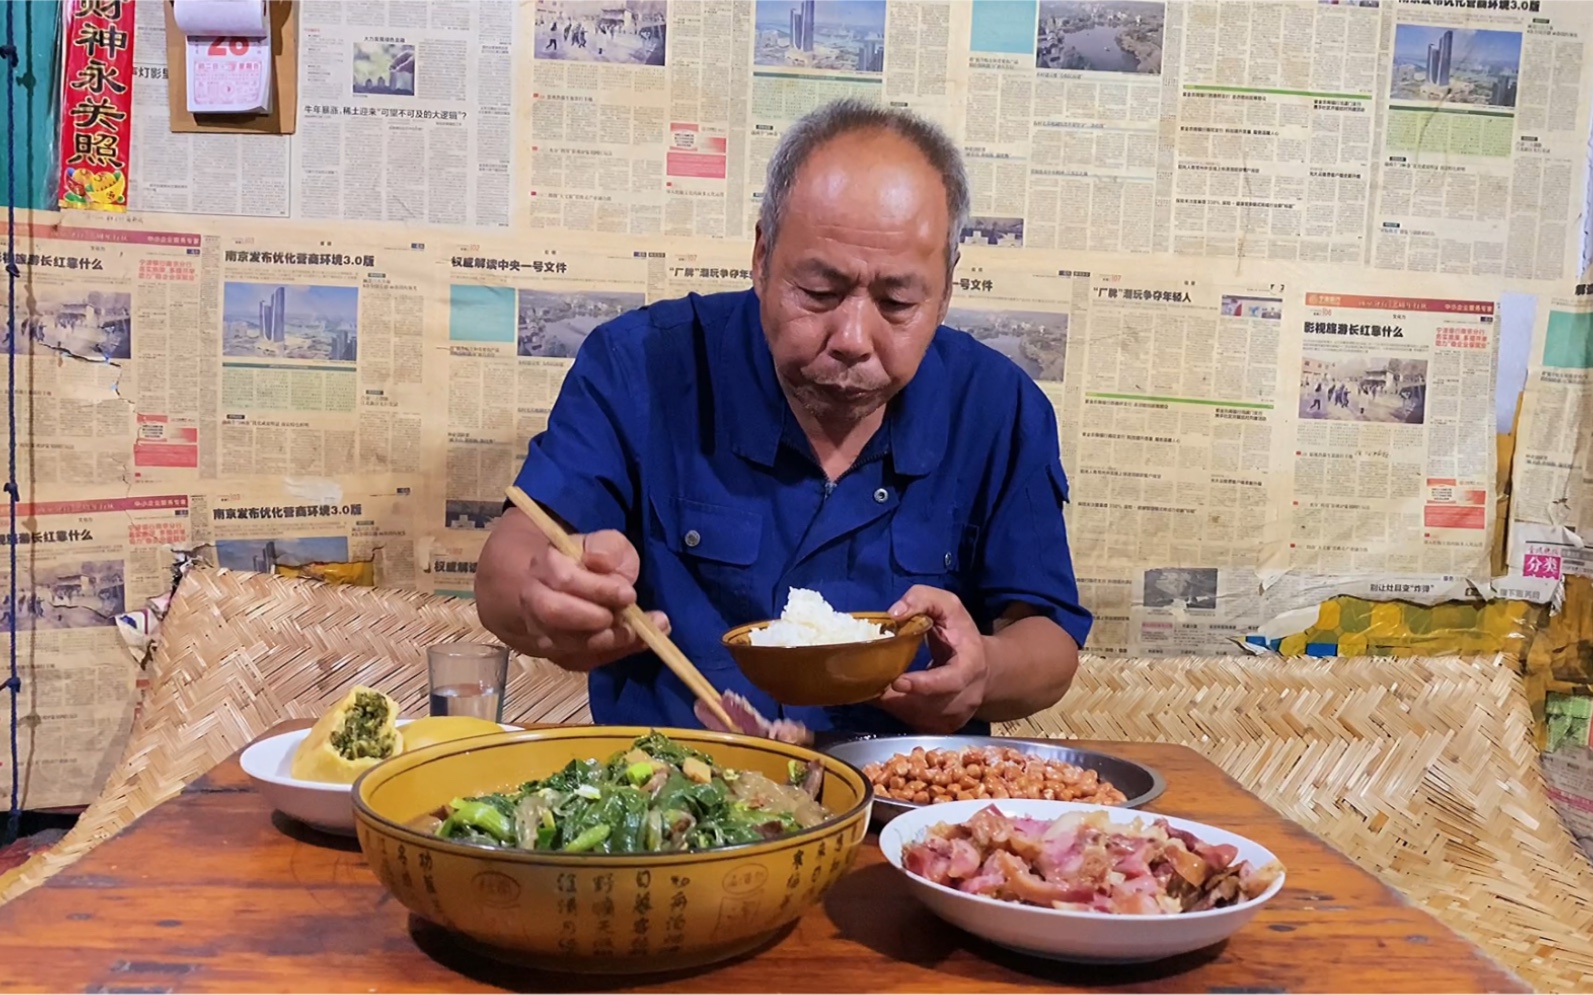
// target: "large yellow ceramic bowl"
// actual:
[[600, 913], [834, 673]]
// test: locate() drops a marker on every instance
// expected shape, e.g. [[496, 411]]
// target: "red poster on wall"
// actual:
[[96, 104]]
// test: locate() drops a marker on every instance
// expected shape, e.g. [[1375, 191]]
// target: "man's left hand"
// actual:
[[943, 698]]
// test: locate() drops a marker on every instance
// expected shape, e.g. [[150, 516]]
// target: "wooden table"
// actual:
[[212, 891]]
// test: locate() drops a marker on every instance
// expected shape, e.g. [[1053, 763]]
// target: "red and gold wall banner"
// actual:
[[96, 104]]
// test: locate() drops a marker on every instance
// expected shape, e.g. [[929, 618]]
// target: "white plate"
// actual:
[[327, 807], [1083, 937]]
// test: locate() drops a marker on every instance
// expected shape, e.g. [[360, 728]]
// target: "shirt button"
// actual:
[[881, 496], [692, 538], [948, 561]]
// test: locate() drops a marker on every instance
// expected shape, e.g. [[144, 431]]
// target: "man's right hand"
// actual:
[[545, 604]]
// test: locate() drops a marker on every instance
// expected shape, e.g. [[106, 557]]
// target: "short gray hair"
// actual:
[[846, 116]]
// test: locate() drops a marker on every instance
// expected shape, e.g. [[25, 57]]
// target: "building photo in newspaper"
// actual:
[[1216, 374], [287, 321], [845, 35]]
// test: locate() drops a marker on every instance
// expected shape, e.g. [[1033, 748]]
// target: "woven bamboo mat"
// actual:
[[240, 652], [1422, 770]]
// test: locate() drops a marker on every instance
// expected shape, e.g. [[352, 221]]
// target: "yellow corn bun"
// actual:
[[357, 733]]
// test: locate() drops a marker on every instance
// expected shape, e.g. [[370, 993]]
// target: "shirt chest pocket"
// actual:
[[933, 546], [718, 544]]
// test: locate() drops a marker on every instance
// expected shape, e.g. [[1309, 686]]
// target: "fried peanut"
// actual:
[[932, 776]]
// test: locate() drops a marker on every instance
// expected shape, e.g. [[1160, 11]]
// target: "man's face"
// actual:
[[852, 291]]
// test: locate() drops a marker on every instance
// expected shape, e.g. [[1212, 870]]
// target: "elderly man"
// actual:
[[821, 431]]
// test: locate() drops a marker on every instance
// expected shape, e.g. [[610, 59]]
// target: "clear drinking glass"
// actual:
[[468, 679]]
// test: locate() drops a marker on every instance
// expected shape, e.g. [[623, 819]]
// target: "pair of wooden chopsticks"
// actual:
[[633, 615]]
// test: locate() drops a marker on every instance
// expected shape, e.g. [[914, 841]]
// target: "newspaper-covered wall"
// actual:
[[1252, 251]]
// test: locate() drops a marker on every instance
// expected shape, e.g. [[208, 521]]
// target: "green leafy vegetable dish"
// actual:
[[657, 797]]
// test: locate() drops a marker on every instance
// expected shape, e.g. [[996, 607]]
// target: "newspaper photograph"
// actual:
[[321, 343], [81, 562], [1202, 611], [515, 322], [1393, 448], [1484, 140], [406, 113], [106, 318], [349, 530], [183, 173]]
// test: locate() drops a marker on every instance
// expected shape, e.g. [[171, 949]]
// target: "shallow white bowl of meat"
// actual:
[[1079, 882]]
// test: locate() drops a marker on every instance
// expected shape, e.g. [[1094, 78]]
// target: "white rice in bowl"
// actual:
[[808, 620]]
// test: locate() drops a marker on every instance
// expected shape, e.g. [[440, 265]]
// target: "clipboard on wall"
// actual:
[[282, 119]]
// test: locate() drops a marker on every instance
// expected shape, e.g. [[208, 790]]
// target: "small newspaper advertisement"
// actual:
[[81, 562], [516, 318], [1549, 507], [321, 345], [106, 318], [1391, 473], [346, 530]]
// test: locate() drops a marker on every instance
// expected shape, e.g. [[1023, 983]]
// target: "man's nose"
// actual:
[[852, 332]]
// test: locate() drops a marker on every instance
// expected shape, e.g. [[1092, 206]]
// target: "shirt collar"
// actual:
[[754, 410]]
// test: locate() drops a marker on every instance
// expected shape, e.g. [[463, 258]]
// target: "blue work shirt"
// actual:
[[671, 427]]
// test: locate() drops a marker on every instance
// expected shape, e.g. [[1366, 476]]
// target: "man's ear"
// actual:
[[760, 259], [951, 281]]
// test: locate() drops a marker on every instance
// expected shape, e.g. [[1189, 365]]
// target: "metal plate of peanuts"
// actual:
[[1042, 767]]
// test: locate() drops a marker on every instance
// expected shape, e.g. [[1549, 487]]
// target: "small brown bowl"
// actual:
[[833, 674]]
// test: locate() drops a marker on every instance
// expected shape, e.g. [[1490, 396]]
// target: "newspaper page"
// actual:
[[106, 318], [321, 350], [1483, 167], [1389, 463], [406, 112], [806, 53], [214, 174], [1568, 763], [81, 562], [1174, 416], [357, 530], [1549, 507], [516, 317], [1068, 111], [1275, 123], [655, 118]]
